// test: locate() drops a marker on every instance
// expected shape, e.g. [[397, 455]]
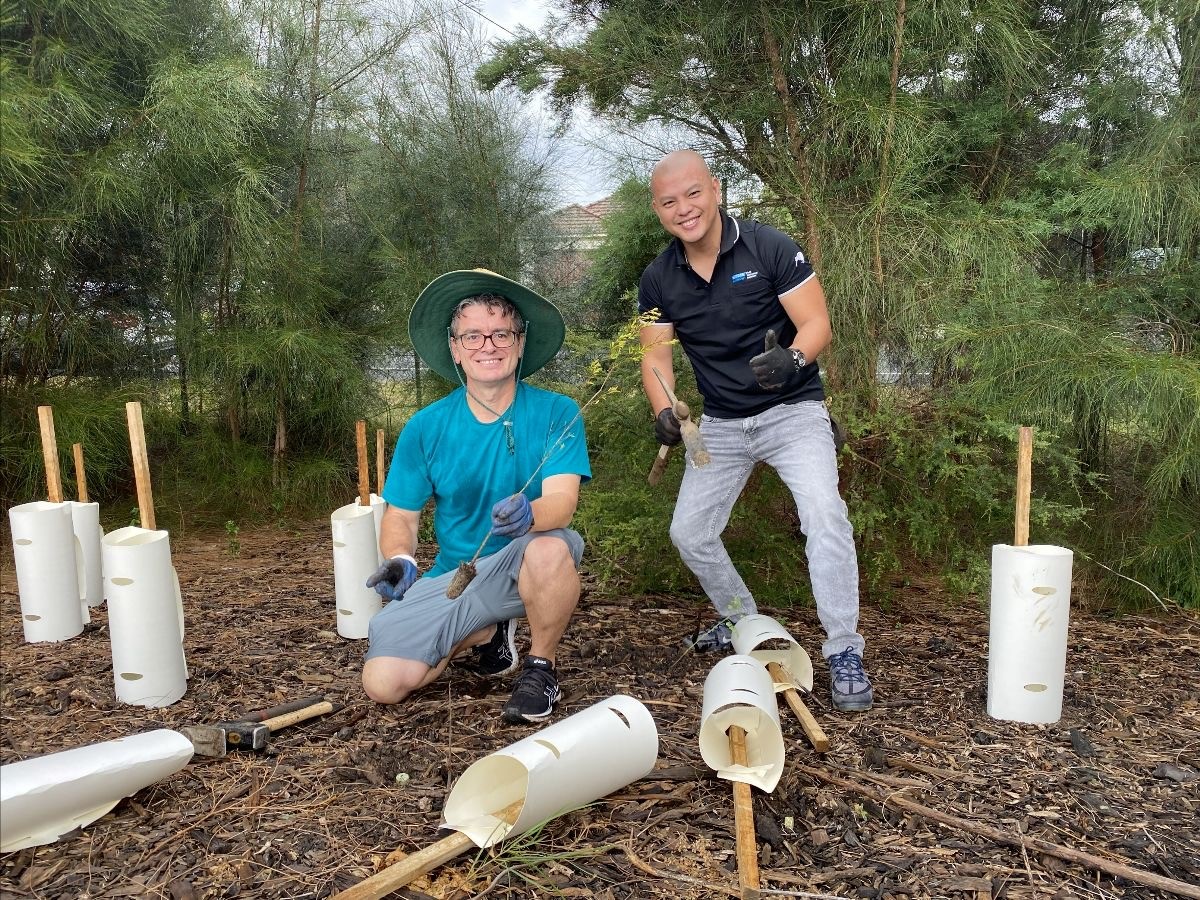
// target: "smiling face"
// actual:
[[687, 199], [489, 365]]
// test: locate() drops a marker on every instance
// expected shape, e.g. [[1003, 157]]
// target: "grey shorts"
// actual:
[[425, 625]]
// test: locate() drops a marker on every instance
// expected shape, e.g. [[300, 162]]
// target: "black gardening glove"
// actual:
[[775, 366], [666, 428], [394, 577]]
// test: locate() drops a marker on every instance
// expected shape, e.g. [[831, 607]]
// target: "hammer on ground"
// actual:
[[252, 730], [691, 435]]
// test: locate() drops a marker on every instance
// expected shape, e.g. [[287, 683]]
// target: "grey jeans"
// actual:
[[796, 441]]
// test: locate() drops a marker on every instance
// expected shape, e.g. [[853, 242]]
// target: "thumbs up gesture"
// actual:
[[775, 365]]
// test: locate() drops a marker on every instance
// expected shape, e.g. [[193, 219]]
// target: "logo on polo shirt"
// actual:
[[799, 257], [743, 276]]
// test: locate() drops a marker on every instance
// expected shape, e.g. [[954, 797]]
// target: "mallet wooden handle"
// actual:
[[413, 867], [50, 454], [364, 476], [1024, 485], [80, 473], [141, 463], [261, 715], [812, 730], [299, 715], [743, 820], [660, 464]]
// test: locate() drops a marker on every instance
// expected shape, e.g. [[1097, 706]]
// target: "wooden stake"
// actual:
[[743, 820], [812, 730], [379, 467], [364, 476], [1024, 484], [420, 863], [141, 463], [50, 454], [80, 474]]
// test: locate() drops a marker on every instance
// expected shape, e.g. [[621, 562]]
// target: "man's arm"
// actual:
[[805, 306], [398, 532], [556, 506], [656, 354]]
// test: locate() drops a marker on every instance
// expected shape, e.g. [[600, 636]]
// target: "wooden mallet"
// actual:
[[691, 435]]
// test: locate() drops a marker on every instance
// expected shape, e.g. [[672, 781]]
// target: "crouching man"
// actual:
[[473, 452]]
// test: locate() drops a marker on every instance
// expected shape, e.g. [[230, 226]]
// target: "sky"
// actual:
[[583, 170]]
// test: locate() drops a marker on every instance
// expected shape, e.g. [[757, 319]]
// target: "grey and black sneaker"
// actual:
[[849, 686], [499, 655], [535, 693], [718, 636]]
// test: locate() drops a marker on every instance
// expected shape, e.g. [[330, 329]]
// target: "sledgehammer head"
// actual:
[[218, 740]]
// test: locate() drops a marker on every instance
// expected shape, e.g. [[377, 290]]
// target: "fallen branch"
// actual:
[[1099, 863]]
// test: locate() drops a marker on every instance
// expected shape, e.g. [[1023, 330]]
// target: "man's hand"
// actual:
[[775, 366], [512, 516], [394, 577], [666, 428]]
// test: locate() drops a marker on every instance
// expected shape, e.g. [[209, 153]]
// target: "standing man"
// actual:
[[751, 317], [472, 452]]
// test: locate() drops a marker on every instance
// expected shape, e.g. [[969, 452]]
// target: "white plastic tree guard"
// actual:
[[751, 633], [145, 617], [85, 522], [355, 557], [738, 691], [562, 767], [1027, 640], [44, 798], [48, 563]]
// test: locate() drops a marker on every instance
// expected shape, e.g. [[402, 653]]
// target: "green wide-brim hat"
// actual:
[[429, 321]]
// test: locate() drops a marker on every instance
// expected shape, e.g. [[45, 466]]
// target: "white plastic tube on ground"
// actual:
[[752, 632], [355, 558], [145, 617], [564, 766], [738, 691], [47, 561], [1027, 638], [85, 521], [43, 798]]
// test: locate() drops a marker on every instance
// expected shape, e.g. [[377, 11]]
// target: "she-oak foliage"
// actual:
[[1002, 202]]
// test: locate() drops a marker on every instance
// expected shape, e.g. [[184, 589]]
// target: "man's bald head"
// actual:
[[687, 199], [679, 161]]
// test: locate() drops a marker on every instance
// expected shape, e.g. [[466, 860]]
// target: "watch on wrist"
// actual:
[[798, 359]]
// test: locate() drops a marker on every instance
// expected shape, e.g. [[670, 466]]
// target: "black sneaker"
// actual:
[[535, 693], [499, 655], [716, 637]]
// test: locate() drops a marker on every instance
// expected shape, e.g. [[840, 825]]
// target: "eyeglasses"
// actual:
[[473, 340]]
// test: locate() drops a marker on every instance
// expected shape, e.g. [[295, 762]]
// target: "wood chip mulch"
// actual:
[[1117, 779]]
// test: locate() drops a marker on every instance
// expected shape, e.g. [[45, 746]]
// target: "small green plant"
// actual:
[[232, 545], [135, 517]]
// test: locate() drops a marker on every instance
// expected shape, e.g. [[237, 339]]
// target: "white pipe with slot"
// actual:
[[355, 557], [1027, 638], [47, 560], [45, 797], [85, 521], [738, 691], [145, 617], [564, 766], [752, 632]]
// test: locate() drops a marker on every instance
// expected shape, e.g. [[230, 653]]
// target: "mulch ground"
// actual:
[[1117, 778]]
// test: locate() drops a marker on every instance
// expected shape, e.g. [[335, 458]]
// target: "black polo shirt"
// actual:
[[722, 323]]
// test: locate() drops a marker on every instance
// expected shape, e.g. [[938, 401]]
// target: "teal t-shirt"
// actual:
[[444, 452]]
